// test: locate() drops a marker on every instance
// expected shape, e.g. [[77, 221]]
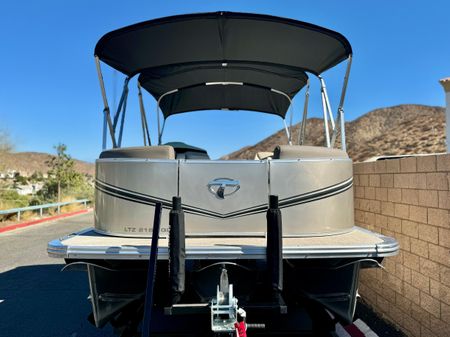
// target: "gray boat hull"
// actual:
[[316, 195]]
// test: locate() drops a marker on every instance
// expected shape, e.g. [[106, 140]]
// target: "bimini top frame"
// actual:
[[225, 99], [260, 62]]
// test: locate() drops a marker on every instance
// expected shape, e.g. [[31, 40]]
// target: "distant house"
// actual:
[[24, 190], [10, 174], [29, 189]]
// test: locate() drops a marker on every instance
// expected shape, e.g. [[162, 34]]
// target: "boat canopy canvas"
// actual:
[[233, 86], [256, 53]]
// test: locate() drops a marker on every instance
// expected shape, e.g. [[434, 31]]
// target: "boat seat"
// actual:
[[263, 155], [304, 151], [186, 151], [147, 152]]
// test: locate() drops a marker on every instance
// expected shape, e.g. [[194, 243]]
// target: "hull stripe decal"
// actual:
[[146, 199]]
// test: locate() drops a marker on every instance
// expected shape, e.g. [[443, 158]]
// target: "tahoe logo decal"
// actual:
[[222, 187]]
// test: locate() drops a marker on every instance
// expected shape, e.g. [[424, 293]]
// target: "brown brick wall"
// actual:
[[408, 199]]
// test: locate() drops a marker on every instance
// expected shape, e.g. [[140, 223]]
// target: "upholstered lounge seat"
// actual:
[[146, 152], [304, 151]]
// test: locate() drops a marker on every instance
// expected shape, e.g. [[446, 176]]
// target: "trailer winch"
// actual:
[[224, 306]]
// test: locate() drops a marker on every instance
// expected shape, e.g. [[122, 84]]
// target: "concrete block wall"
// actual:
[[408, 199]]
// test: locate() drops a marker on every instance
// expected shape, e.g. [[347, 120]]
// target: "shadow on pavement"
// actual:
[[380, 326], [41, 301]]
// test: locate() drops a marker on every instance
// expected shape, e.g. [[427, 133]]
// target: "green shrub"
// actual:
[[12, 199]]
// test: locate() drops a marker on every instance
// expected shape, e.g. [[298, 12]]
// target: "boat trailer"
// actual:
[[223, 308]]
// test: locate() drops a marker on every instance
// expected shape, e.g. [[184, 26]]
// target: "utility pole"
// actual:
[[445, 82]]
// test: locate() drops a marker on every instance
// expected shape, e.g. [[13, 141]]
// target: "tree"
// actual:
[[64, 179], [5, 147], [36, 176], [19, 180], [5, 142], [61, 168]]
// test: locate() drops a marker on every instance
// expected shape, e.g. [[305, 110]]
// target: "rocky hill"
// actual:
[[402, 129], [29, 162]]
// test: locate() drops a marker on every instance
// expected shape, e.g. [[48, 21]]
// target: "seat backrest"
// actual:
[[146, 152], [304, 151], [263, 155], [186, 151]]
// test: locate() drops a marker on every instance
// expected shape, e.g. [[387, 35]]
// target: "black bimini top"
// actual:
[[196, 54]]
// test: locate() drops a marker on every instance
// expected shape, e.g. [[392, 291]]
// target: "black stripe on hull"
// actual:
[[147, 199]]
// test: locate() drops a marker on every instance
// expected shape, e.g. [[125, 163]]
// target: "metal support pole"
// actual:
[[141, 108], [18, 216], [325, 118], [122, 121], [162, 129], [143, 118], [327, 102], [104, 131], [146, 125], [342, 121], [151, 273], [302, 131], [40, 212], [334, 134], [121, 102], [105, 102], [288, 132], [157, 112], [290, 123], [158, 122], [344, 86], [341, 116], [445, 82]]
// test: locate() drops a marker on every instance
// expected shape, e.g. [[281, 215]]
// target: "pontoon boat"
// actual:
[[182, 242]]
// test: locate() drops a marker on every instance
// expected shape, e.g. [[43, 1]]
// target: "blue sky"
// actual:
[[49, 91]]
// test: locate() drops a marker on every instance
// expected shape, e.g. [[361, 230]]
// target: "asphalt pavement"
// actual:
[[36, 299]]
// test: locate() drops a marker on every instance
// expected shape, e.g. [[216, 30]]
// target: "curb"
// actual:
[[38, 221]]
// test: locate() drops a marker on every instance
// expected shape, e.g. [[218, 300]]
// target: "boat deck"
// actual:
[[357, 243]]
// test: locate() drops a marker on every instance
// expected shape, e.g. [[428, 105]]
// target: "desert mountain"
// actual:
[[402, 129], [29, 162]]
